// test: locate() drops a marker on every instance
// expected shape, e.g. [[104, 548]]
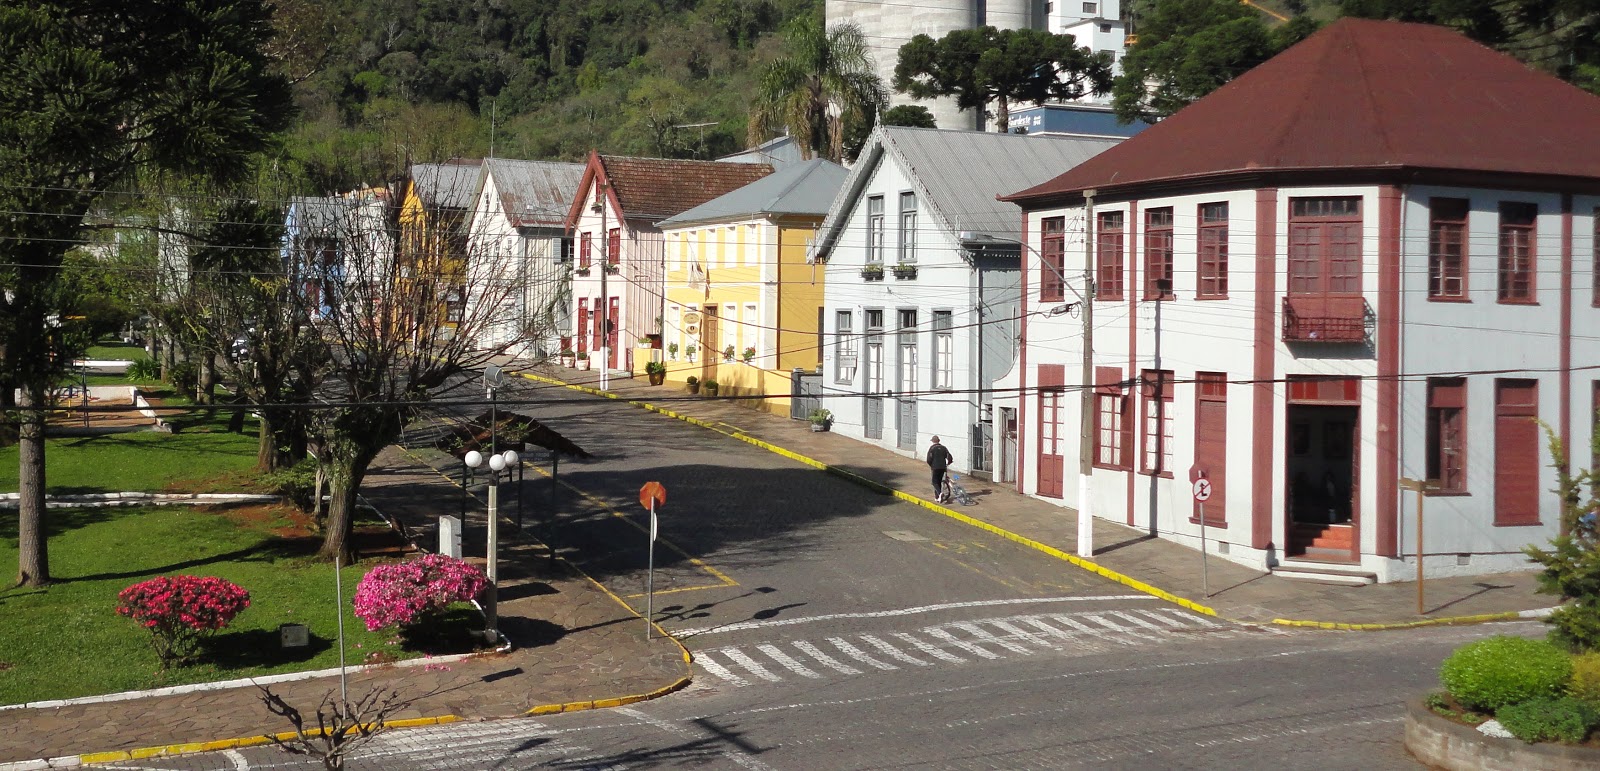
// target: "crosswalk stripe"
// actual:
[[1113, 625], [828, 661], [787, 661], [714, 668], [893, 652], [1022, 634], [1168, 620], [934, 631], [858, 654], [1069, 621], [1039, 623], [738, 657], [1188, 617], [1136, 620], [986, 636], [931, 650]]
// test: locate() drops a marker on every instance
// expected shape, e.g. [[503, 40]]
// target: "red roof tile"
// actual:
[[1361, 94], [657, 188]]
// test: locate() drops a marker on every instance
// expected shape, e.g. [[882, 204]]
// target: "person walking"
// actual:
[[939, 460]]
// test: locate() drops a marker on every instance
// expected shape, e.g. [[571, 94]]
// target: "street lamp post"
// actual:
[[497, 462]]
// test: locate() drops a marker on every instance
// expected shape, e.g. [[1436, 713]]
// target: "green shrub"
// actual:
[[143, 370], [298, 483], [1489, 674], [1586, 678], [185, 377], [1546, 719]]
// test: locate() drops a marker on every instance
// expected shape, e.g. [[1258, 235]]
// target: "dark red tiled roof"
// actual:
[[1361, 94], [657, 188]]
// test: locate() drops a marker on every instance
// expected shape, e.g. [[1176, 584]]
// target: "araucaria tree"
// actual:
[[1572, 562], [823, 79], [92, 91], [985, 66]]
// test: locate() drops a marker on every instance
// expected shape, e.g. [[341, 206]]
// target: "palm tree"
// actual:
[[822, 78]]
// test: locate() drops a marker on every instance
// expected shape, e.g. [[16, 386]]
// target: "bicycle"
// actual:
[[953, 491]]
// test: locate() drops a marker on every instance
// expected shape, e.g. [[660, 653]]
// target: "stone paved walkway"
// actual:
[[1237, 592], [575, 643]]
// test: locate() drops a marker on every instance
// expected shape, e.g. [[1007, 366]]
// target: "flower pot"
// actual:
[[657, 378], [711, 390], [819, 427], [583, 364], [567, 361], [694, 388]]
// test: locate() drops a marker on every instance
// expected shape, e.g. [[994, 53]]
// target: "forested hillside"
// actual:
[[383, 81]]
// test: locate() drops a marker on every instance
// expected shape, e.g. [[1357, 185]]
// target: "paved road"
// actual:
[[834, 628], [1219, 699]]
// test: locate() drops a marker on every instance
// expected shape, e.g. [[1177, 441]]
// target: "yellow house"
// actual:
[[433, 238], [742, 306]]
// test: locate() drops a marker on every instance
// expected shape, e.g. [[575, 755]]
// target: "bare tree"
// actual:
[[342, 727]]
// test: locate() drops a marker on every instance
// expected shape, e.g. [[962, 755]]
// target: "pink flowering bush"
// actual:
[[182, 611], [412, 592]]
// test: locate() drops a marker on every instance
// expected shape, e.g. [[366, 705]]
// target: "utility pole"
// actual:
[[1086, 387], [605, 267]]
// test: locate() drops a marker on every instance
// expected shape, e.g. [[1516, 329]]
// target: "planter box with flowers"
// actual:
[[690, 351], [657, 372], [693, 384], [613, 268], [711, 387], [872, 271], [727, 353], [821, 419], [749, 354], [583, 359], [905, 270], [672, 351], [567, 357]]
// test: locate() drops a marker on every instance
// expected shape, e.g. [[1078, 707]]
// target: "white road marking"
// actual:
[[932, 650], [858, 654], [239, 763], [985, 636], [738, 657], [893, 652], [934, 631], [1163, 618], [1022, 634], [1116, 627], [743, 625], [714, 668], [1135, 620], [787, 661], [1193, 618], [828, 661], [744, 760], [1038, 623]]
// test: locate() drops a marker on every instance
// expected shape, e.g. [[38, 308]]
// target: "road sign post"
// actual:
[[650, 495], [1202, 493], [1420, 487]]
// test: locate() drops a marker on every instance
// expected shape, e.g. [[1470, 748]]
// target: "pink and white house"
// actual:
[[1369, 259], [613, 219]]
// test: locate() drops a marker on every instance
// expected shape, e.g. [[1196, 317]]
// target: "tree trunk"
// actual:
[[1002, 115], [267, 444], [208, 383], [346, 468], [33, 558]]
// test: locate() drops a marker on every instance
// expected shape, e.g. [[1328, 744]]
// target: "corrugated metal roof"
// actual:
[[446, 185], [534, 193], [806, 188], [780, 152], [1362, 94], [957, 174], [657, 188], [315, 216]]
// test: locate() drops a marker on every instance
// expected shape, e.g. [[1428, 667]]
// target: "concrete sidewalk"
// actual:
[[1237, 592], [575, 644]]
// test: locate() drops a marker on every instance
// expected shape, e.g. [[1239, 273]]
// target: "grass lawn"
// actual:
[[202, 457], [114, 350], [67, 640]]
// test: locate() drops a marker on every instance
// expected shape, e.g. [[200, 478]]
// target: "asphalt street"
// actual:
[[836, 628]]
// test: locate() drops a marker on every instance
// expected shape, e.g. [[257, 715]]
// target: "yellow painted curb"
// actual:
[[621, 701], [187, 748], [1097, 569]]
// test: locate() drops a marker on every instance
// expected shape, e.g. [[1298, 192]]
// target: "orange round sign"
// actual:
[[652, 491]]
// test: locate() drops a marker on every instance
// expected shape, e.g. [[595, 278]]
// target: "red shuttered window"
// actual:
[[1447, 434], [1157, 387], [1053, 250], [585, 250], [1113, 425], [1213, 252], [1516, 452], [1447, 249], [1517, 252], [1211, 442], [1158, 254], [1109, 269]]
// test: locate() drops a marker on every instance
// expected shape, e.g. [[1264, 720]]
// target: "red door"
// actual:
[[611, 334], [583, 324], [1052, 465], [1516, 452], [1211, 441]]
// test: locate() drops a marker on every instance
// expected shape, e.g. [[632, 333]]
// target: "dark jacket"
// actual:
[[939, 457]]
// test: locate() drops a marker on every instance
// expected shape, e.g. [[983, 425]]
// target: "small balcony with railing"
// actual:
[[1322, 319]]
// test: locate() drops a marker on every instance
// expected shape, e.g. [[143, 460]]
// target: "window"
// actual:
[[1516, 452], [908, 227], [1052, 444], [875, 229], [1447, 434], [1211, 442], [844, 365], [1052, 250], [1447, 249], [906, 335], [585, 249], [1158, 254], [1089, 7], [943, 350], [1108, 271], [1157, 387], [455, 306], [564, 253], [1113, 426], [1213, 252], [614, 246], [1325, 246], [1517, 252], [750, 333], [1595, 273], [875, 351]]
